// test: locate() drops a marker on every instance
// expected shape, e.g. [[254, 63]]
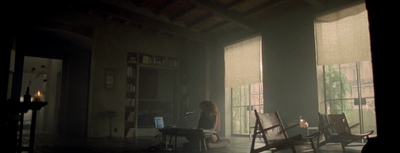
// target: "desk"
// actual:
[[175, 132], [309, 128]]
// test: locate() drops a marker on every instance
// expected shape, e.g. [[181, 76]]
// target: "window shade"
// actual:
[[343, 36], [242, 62]]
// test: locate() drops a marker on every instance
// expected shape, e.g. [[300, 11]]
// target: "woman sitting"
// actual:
[[209, 120]]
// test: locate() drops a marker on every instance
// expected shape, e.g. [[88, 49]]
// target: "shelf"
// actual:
[[148, 70], [130, 94], [130, 117], [148, 100], [130, 107], [131, 58], [130, 88], [131, 79], [158, 66], [158, 61], [131, 71]]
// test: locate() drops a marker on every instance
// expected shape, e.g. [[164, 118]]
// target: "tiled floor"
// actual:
[[54, 144]]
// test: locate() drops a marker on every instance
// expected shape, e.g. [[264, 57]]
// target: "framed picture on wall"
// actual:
[[109, 78]]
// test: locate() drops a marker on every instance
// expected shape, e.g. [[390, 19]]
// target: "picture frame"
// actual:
[[109, 78]]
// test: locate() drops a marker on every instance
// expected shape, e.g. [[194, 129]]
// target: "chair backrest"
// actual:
[[339, 123], [324, 125], [268, 120], [274, 134]]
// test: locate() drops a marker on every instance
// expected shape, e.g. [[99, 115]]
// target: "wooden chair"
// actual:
[[327, 133], [275, 136], [335, 129]]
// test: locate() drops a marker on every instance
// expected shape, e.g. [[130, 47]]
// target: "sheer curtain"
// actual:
[[343, 36], [242, 62]]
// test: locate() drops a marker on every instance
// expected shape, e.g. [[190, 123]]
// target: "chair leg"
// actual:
[[205, 144], [202, 143], [293, 148], [313, 146], [343, 147]]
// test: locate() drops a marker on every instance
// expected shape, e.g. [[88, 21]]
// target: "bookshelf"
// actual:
[[159, 61], [131, 96], [150, 90]]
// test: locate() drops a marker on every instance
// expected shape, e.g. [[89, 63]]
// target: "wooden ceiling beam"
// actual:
[[235, 4], [131, 7], [199, 20], [263, 7], [215, 27], [316, 3], [165, 6], [141, 3], [217, 10], [144, 20], [183, 13]]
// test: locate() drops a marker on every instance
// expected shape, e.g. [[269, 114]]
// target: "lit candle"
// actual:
[[301, 123], [37, 96]]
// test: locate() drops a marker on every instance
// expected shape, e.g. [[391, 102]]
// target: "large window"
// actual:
[[243, 83], [344, 67]]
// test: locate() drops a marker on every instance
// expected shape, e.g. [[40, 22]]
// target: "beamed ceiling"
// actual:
[[191, 20]]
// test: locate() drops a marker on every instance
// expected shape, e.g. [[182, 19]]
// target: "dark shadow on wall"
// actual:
[[73, 49]]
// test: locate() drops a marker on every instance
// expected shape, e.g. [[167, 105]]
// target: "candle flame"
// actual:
[[37, 96]]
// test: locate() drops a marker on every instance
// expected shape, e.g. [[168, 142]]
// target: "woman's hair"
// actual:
[[210, 110], [209, 107]]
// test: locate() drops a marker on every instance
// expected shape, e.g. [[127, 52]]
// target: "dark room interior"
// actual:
[[106, 68]]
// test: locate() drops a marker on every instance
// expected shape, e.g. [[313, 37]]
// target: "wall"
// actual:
[[290, 67], [290, 83], [193, 62], [217, 87], [112, 41]]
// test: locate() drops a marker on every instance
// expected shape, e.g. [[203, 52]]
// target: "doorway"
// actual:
[[43, 75]]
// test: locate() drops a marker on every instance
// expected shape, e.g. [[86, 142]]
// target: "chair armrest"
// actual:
[[292, 126], [313, 135], [326, 127], [367, 133], [289, 127], [269, 128], [355, 125]]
